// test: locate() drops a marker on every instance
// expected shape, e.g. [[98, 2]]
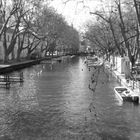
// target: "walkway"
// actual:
[[6, 68], [131, 84]]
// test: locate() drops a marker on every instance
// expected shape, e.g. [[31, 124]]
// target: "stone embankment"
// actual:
[[7, 68]]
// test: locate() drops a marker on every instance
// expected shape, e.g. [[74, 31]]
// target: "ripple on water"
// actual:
[[55, 103]]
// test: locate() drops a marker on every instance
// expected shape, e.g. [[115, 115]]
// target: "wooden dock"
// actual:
[[7, 80], [5, 85]]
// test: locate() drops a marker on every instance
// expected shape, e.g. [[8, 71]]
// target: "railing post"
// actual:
[[21, 77]]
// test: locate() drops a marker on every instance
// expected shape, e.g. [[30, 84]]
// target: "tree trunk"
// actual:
[[18, 54], [13, 55], [5, 59], [132, 59]]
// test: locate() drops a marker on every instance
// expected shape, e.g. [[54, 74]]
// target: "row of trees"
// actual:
[[34, 26], [117, 29]]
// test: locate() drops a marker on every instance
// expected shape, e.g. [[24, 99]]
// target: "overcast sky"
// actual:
[[77, 13]]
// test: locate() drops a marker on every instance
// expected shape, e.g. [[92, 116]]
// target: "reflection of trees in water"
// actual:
[[96, 74], [94, 82], [33, 123], [100, 77]]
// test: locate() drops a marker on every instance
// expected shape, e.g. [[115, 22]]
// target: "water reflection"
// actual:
[[118, 101], [54, 102]]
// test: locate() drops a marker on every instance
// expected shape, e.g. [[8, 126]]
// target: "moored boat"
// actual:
[[90, 59], [94, 58], [96, 63], [72, 56], [126, 94]]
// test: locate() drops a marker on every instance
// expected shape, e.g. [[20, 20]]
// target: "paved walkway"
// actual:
[[134, 86], [6, 68]]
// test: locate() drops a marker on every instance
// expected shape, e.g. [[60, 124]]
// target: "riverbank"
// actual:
[[14, 66], [59, 105], [6, 68], [131, 84]]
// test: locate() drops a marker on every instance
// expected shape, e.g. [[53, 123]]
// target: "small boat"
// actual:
[[126, 94], [95, 64], [93, 58], [72, 56]]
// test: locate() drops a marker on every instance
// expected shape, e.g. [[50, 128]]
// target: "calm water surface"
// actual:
[[55, 103]]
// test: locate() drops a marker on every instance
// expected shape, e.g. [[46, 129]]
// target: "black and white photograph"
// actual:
[[69, 69]]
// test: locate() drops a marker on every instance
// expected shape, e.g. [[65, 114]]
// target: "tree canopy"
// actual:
[[117, 29], [33, 26]]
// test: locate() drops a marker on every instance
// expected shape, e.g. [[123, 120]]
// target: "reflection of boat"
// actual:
[[118, 102], [126, 94]]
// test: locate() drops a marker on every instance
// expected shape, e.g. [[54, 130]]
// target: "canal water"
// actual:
[[65, 101]]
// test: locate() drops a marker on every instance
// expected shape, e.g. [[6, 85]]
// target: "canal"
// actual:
[[62, 101]]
